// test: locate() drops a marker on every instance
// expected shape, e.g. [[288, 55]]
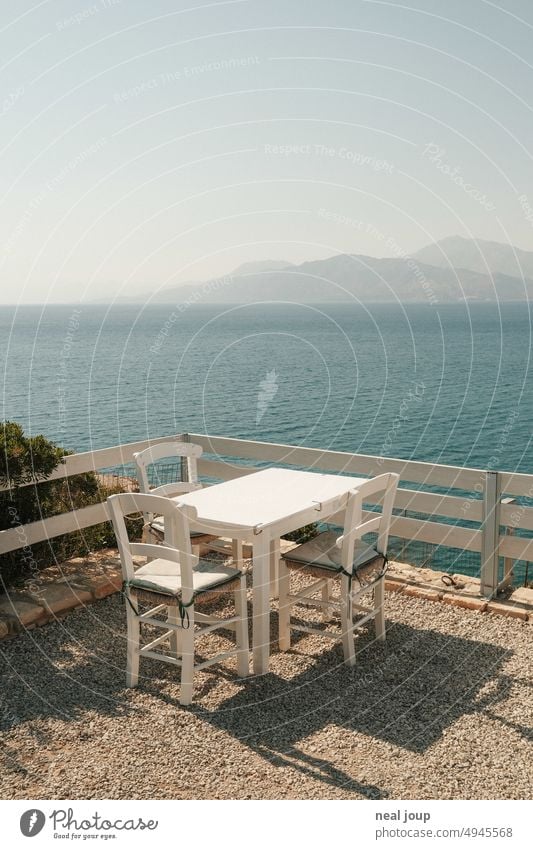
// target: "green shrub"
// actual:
[[302, 534], [24, 459]]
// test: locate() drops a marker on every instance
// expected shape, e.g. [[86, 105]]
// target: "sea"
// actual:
[[447, 383]]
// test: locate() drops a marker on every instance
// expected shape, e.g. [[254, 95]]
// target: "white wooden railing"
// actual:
[[471, 495]]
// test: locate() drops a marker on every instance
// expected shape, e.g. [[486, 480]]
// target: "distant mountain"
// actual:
[[478, 255], [348, 277], [185, 289], [452, 270], [261, 265]]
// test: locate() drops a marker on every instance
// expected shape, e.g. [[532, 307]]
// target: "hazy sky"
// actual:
[[143, 144]]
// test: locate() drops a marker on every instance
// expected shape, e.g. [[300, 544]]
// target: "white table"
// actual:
[[259, 508]]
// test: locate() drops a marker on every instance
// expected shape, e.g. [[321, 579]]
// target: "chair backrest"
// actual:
[[355, 527], [176, 518], [182, 451], [165, 450]]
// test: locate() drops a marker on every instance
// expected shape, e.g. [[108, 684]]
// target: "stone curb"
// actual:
[[24, 610], [518, 606]]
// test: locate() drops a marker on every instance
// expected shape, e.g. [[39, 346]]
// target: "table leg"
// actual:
[[274, 568], [261, 603]]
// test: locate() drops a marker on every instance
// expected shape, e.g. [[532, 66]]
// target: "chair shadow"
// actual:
[[405, 692], [321, 770]]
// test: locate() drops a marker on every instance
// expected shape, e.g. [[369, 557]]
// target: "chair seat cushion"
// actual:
[[158, 526], [322, 553], [163, 576]]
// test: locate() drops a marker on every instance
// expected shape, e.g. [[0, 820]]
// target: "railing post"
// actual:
[[490, 529], [508, 562], [184, 462]]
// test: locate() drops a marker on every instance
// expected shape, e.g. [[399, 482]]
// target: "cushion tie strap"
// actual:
[[350, 575], [182, 606], [184, 614], [125, 593]]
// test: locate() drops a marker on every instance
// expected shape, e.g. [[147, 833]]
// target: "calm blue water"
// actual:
[[449, 384]]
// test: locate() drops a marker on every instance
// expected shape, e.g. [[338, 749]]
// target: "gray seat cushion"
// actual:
[[158, 526], [163, 576], [322, 553]]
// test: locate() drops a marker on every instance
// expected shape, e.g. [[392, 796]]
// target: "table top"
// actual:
[[266, 497]]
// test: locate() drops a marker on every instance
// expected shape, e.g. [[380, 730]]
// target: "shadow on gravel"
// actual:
[[64, 669], [405, 692]]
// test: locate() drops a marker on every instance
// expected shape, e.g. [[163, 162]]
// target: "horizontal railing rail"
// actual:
[[100, 458], [418, 530], [452, 477], [474, 498], [480, 501], [23, 535]]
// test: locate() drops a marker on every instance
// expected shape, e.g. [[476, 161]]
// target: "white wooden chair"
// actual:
[[173, 583], [186, 453], [359, 566]]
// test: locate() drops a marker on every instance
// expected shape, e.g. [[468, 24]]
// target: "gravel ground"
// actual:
[[442, 711]]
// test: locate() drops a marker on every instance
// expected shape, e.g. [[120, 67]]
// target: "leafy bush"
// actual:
[[302, 534], [24, 459]]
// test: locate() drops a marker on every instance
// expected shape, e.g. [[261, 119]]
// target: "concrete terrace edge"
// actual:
[[81, 581]]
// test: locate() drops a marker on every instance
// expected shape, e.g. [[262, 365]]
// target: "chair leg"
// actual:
[[347, 622], [241, 630], [379, 608], [284, 607], [187, 660], [175, 637], [236, 554], [326, 610], [132, 665]]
